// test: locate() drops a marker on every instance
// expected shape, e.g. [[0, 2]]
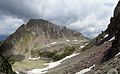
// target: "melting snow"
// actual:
[[17, 72], [43, 32], [53, 42], [105, 35], [82, 46], [85, 70], [67, 40], [50, 65], [74, 40], [112, 39], [86, 43], [48, 45], [34, 58]]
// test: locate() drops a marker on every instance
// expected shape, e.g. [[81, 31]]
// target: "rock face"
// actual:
[[37, 33], [5, 67], [51, 31], [113, 30], [104, 48], [111, 59], [110, 67]]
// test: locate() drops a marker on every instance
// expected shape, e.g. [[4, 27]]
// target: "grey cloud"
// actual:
[[72, 13], [19, 8], [110, 4]]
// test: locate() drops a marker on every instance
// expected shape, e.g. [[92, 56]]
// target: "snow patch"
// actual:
[[106, 36], [112, 39], [53, 43], [43, 32], [117, 54], [67, 40], [33, 33], [17, 72], [82, 46], [74, 40], [85, 70], [50, 65], [48, 45], [86, 43], [34, 59]]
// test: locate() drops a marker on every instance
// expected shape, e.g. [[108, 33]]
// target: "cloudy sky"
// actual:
[[87, 16]]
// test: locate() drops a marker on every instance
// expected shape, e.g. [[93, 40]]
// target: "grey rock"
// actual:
[[114, 31], [5, 67], [112, 71]]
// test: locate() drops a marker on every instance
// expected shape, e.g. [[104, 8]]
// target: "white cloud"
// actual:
[[86, 16], [90, 24]]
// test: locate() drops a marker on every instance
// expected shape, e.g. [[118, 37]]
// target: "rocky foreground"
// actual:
[[5, 67]]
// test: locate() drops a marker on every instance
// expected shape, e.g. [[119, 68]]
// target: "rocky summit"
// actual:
[[38, 34]]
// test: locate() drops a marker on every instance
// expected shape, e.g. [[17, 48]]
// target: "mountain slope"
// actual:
[[39, 35], [5, 67], [100, 52], [111, 58]]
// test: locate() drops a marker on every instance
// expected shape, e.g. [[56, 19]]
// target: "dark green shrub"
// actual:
[[67, 51], [54, 55]]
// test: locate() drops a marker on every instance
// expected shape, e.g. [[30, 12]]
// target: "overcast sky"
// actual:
[[87, 16]]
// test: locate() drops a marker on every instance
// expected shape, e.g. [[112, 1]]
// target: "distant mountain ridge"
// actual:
[[37, 34], [3, 37]]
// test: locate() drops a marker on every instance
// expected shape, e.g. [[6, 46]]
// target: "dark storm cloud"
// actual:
[[20, 8], [81, 15]]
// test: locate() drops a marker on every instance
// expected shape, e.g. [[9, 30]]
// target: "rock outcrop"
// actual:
[[51, 31], [111, 60], [113, 30], [5, 67]]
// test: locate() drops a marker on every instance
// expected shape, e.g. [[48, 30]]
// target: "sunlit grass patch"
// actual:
[[28, 65]]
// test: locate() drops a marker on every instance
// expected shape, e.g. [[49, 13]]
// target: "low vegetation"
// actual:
[[54, 55], [27, 65], [68, 50]]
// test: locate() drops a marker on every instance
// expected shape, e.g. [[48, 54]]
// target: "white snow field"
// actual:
[[82, 46], [50, 65], [85, 70], [33, 59]]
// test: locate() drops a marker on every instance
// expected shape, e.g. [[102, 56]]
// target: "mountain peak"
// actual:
[[38, 22], [39, 26], [41, 32]]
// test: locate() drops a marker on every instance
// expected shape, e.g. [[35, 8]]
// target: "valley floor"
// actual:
[[24, 65]]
